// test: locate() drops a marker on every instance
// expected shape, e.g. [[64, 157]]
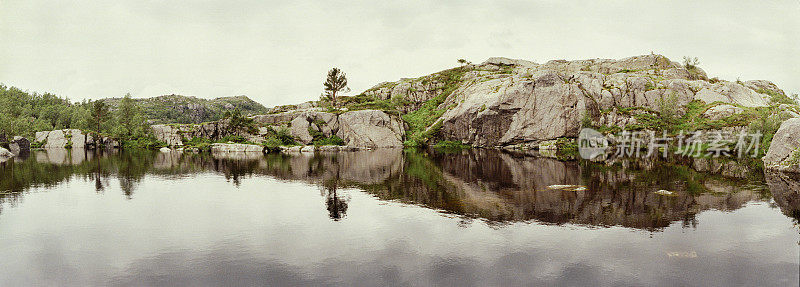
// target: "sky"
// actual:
[[278, 52]]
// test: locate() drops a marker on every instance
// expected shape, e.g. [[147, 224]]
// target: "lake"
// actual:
[[392, 217]]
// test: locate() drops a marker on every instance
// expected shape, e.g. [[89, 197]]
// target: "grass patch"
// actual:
[[420, 121]]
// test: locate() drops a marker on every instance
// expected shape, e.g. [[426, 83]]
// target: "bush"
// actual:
[[332, 140], [147, 142]]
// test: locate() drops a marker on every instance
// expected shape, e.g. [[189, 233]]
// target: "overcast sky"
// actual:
[[278, 53]]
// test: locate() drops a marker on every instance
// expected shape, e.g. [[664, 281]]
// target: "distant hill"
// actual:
[[186, 110]]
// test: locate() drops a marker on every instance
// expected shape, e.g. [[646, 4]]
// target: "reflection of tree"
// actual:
[[235, 169], [336, 203], [132, 167]]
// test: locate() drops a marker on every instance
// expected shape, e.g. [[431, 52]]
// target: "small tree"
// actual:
[[690, 63], [691, 66], [463, 62], [336, 82], [99, 114]]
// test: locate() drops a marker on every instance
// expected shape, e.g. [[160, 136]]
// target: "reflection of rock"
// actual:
[[166, 160], [228, 148], [500, 186], [785, 190], [784, 152]]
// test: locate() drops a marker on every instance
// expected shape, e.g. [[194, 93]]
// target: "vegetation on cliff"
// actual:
[[187, 110]]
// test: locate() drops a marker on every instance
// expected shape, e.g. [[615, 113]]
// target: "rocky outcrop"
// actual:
[[370, 128], [784, 152], [62, 138], [73, 138], [167, 134], [733, 93], [364, 128], [505, 102]]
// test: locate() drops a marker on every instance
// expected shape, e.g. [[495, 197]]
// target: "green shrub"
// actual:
[[233, 138], [332, 140]]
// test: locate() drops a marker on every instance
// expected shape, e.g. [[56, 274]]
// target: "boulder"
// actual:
[[299, 130], [5, 154], [165, 149], [784, 152], [225, 148], [719, 112], [55, 139], [19, 145], [370, 128], [77, 138], [732, 93], [167, 134]]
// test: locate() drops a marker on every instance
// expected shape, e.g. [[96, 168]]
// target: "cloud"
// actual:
[[278, 52]]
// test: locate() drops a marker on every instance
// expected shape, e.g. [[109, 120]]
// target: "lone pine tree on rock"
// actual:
[[336, 82]]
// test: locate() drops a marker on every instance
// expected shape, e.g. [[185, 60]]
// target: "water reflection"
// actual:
[[495, 186]]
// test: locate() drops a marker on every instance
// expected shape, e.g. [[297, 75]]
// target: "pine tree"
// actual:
[[336, 82]]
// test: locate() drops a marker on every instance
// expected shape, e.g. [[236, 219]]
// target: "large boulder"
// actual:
[[370, 128], [732, 93], [5, 154], [719, 112], [55, 139], [19, 145], [784, 152], [77, 138]]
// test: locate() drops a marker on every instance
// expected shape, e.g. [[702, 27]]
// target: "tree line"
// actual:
[[23, 114]]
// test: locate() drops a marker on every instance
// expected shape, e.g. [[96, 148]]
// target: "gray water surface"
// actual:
[[390, 217]]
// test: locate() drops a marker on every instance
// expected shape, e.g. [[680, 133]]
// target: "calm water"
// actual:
[[390, 217]]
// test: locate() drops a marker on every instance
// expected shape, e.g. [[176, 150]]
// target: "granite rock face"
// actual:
[[74, 138], [784, 152], [370, 128], [508, 102]]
